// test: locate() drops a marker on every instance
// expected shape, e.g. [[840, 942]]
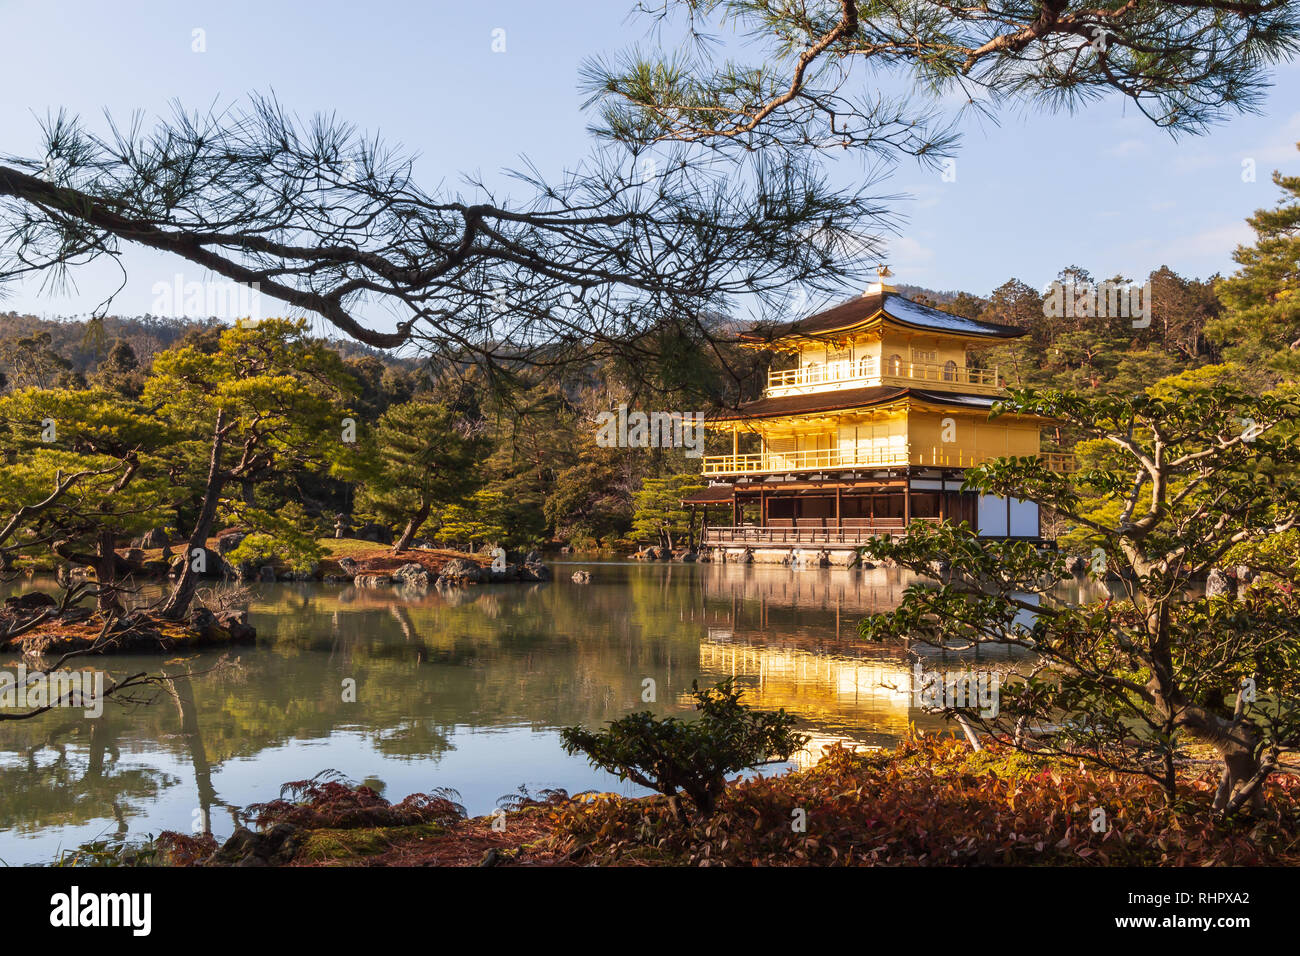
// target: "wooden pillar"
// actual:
[[907, 497], [839, 522], [762, 508]]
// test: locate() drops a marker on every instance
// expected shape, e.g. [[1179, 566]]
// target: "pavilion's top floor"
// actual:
[[880, 339]]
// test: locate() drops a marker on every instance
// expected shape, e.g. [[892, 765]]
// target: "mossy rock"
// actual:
[[342, 845]]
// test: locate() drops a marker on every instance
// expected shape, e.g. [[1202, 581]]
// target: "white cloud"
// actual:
[[1214, 243]]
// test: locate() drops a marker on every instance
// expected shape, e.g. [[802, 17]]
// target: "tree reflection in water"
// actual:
[[465, 689]]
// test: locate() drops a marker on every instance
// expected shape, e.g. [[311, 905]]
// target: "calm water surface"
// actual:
[[467, 690]]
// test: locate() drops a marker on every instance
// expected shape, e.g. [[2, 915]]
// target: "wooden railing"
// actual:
[[1061, 462], [835, 459], [868, 370], [860, 533]]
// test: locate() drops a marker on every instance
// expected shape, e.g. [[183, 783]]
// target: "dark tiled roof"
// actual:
[[710, 495], [897, 307], [843, 400]]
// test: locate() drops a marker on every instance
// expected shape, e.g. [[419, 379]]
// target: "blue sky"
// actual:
[[1103, 189]]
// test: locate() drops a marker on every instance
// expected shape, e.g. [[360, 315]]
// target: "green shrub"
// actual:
[[691, 756]]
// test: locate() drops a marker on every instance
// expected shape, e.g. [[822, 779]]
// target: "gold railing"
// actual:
[[977, 378], [866, 370], [835, 459], [802, 461], [823, 374]]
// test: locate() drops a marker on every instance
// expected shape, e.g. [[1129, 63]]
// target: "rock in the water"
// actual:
[[372, 580], [534, 571], [511, 572], [459, 571], [236, 623], [266, 574], [581, 577], [412, 576]]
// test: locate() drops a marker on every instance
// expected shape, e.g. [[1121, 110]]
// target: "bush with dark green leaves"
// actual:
[[672, 756]]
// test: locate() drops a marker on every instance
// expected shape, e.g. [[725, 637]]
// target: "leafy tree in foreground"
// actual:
[[1175, 479], [324, 219], [692, 756], [808, 75]]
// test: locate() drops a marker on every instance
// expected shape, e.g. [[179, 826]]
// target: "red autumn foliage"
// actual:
[[335, 804], [933, 802], [182, 849], [930, 802]]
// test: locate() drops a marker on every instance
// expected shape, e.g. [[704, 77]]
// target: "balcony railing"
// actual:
[[838, 460], [867, 371], [802, 461], [823, 374], [853, 532]]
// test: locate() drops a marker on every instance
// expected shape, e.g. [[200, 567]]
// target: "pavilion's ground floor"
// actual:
[[842, 512]]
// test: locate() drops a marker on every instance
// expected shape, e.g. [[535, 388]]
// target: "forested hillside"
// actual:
[[538, 473]]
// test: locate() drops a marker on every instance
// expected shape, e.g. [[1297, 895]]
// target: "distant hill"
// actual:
[[147, 335]]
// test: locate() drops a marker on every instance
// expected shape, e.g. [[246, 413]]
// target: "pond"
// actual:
[[466, 690]]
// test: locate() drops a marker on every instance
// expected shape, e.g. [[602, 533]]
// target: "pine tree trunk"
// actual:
[[106, 574], [413, 525], [178, 602]]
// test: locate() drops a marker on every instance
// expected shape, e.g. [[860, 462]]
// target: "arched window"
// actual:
[[895, 364], [950, 371]]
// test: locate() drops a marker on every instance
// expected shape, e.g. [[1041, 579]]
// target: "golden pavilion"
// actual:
[[871, 427]]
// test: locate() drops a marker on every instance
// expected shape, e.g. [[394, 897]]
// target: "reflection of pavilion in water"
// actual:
[[819, 604], [790, 638]]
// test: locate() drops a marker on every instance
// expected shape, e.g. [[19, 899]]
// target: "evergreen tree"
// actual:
[[426, 457], [659, 514], [1261, 322]]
